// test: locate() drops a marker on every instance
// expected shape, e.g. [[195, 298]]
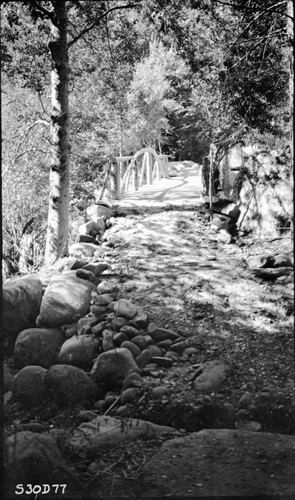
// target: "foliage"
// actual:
[[25, 159]]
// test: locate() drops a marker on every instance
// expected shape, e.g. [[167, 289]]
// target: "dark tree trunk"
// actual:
[[58, 214]]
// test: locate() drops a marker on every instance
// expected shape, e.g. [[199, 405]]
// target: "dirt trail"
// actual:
[[171, 264]]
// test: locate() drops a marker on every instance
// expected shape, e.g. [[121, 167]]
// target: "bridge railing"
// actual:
[[143, 168]]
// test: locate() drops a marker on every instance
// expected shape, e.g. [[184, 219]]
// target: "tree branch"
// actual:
[[96, 22], [250, 23]]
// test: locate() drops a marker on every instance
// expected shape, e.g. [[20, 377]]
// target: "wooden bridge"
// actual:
[[144, 168], [144, 179]]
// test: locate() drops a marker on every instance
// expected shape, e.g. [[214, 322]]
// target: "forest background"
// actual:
[[173, 75]]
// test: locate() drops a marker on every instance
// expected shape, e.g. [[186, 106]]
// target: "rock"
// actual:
[[160, 334], [282, 260], [82, 250], [85, 325], [143, 358], [118, 323], [21, 305], [121, 411], [154, 350], [28, 386], [224, 237], [96, 211], [31, 458], [159, 392], [34, 427], [213, 376], [79, 351], [133, 348], [140, 341], [98, 329], [220, 222], [259, 261], [77, 264], [119, 338], [129, 395], [160, 361], [111, 367], [141, 319], [148, 339], [190, 350], [86, 415], [172, 355], [92, 228], [37, 346], [99, 311], [71, 330], [104, 299], [132, 380], [97, 268], [164, 344], [130, 331], [66, 299], [107, 340], [248, 425], [179, 346], [88, 438], [69, 385], [86, 275], [188, 467], [107, 287], [151, 328], [125, 308], [245, 400]]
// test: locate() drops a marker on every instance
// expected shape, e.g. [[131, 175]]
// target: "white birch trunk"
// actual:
[[58, 213]]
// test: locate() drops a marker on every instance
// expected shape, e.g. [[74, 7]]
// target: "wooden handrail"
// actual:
[[149, 169]]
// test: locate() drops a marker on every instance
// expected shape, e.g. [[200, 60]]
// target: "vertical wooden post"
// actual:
[[117, 175], [149, 168], [225, 173], [136, 176]]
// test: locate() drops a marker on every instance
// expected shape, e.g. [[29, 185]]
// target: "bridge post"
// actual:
[[117, 180], [149, 168]]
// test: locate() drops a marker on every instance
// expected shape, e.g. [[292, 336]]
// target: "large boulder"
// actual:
[[31, 458], [28, 386], [265, 208], [89, 437], [37, 346], [111, 367], [82, 250], [68, 385], [98, 211], [223, 462], [66, 299], [21, 304], [79, 350]]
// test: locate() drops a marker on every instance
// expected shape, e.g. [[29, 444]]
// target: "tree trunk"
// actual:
[[58, 213], [290, 30]]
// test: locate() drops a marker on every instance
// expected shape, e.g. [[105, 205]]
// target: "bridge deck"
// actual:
[[182, 189]]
